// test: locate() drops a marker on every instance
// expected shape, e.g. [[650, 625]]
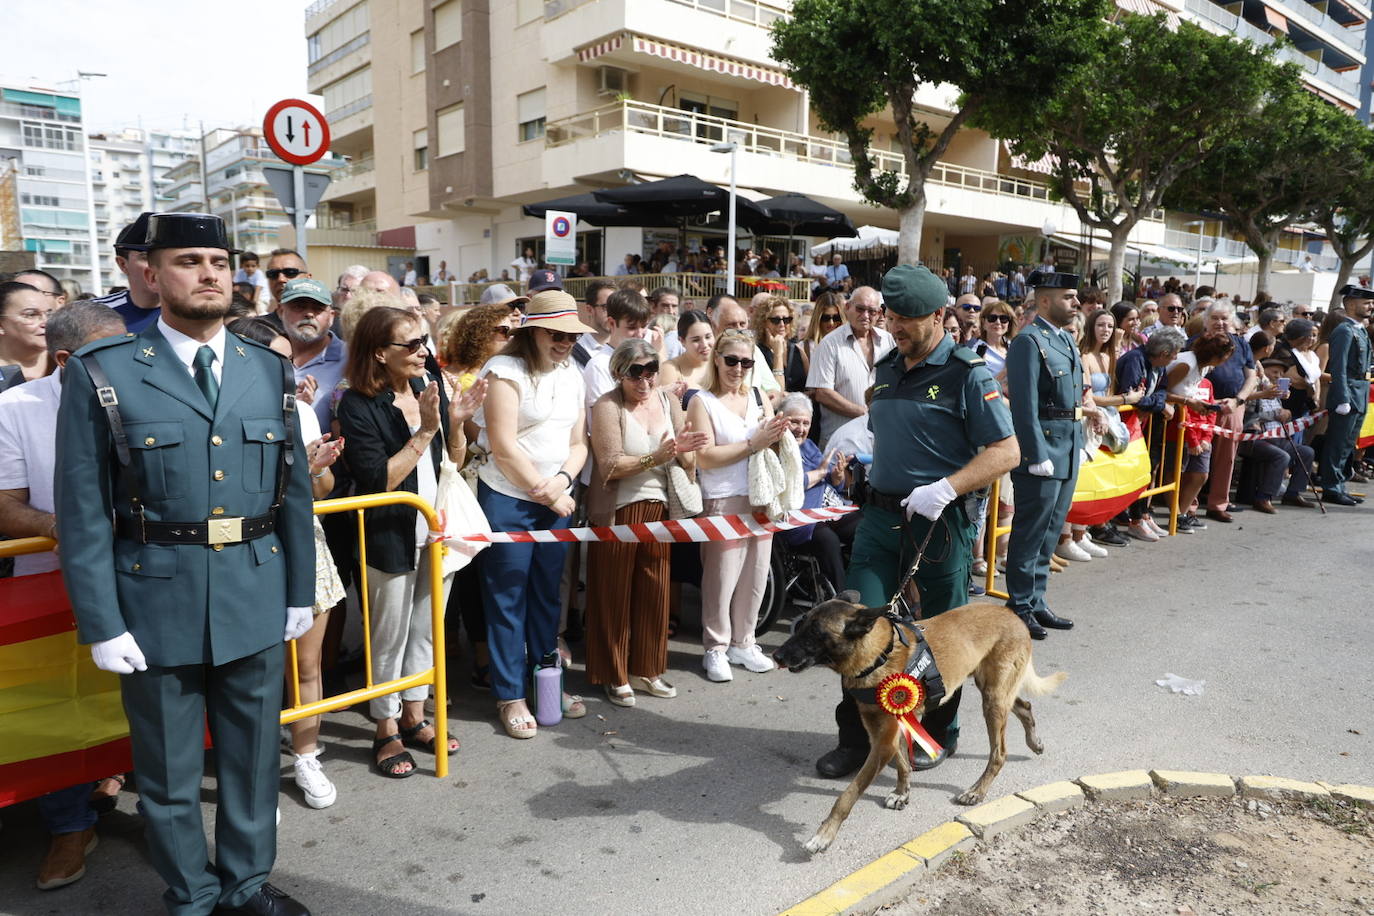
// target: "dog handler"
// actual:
[[941, 431]]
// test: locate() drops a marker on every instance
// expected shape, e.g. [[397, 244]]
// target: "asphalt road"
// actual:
[[699, 804]]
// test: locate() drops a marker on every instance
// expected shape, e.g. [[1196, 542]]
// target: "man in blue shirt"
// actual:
[[138, 304], [836, 274], [317, 356]]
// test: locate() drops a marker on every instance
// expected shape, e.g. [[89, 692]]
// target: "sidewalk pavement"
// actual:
[[700, 804]]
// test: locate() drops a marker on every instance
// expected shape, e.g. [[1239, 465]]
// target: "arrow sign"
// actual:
[[296, 131]]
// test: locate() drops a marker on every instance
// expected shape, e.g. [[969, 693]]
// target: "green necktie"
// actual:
[[205, 376]]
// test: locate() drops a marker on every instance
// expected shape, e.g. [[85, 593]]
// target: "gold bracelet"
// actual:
[[646, 462]]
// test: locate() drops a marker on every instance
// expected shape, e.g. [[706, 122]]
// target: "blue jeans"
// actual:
[[68, 810], [521, 595]]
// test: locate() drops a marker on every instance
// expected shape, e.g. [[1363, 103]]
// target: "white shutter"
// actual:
[[451, 133], [529, 106], [448, 24]]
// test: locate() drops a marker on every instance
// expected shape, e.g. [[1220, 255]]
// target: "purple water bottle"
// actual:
[[548, 690]]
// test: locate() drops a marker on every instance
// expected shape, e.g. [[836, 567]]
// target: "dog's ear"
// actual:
[[862, 622], [850, 595]]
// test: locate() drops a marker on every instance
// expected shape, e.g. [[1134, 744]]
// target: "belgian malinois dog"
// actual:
[[983, 640]]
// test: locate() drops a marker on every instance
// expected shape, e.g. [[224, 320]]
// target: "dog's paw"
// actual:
[[896, 801], [969, 798], [1037, 748], [816, 844]]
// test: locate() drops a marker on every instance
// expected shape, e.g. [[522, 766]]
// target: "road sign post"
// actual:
[[299, 135], [560, 238]]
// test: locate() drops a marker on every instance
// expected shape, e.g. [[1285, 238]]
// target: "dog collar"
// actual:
[[920, 663], [883, 656]]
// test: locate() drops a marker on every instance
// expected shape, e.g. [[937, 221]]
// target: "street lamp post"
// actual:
[[733, 149], [1197, 267]]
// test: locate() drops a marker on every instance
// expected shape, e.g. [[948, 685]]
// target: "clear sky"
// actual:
[[169, 63]]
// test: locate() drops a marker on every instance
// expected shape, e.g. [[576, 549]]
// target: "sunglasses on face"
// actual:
[[830, 319], [1302, 314], [779, 319], [999, 319], [971, 308], [642, 370], [411, 346], [289, 273], [864, 311], [733, 361], [1176, 309], [559, 337]]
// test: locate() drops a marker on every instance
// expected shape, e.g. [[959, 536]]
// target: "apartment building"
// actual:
[[128, 176], [48, 194]]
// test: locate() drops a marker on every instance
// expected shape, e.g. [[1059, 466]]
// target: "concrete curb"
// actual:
[[890, 877]]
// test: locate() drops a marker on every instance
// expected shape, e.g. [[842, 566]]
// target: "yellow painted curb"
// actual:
[[855, 887], [1279, 788], [939, 843], [1186, 783], [994, 817], [1360, 795]]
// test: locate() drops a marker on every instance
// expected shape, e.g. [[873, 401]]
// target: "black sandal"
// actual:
[[409, 740], [387, 766]]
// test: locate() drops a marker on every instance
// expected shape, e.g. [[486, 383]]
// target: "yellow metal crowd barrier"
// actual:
[[435, 676], [994, 529]]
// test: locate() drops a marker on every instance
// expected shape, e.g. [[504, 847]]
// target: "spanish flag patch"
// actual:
[[992, 395]]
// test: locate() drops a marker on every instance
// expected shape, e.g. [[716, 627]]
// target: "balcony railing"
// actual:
[[349, 108], [691, 127], [353, 44], [1234, 248], [355, 168]]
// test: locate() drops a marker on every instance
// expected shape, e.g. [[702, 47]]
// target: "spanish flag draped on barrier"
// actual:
[[1366, 438], [1109, 483], [61, 720]]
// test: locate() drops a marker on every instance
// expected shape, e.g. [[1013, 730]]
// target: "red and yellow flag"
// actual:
[[61, 720], [1366, 438], [1109, 483]]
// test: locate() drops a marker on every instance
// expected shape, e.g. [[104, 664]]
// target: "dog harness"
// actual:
[[920, 664]]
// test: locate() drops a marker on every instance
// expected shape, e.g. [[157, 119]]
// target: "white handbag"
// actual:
[[462, 516]]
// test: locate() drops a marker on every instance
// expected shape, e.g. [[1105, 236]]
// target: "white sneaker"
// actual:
[[1091, 548], [1141, 531], [1069, 550], [319, 791], [751, 658], [1155, 527], [717, 668]]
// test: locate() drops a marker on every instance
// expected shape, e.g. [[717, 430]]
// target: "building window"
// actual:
[[421, 149], [528, 10], [417, 51], [451, 131], [448, 24], [529, 111], [350, 94], [336, 33]]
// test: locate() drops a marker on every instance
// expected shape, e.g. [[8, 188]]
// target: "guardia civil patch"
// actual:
[[992, 395]]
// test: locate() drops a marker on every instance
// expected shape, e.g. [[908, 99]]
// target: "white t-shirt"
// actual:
[[28, 453], [550, 406], [852, 438], [1188, 387], [728, 428]]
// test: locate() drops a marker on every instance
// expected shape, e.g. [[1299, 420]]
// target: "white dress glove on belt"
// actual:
[[120, 655], [298, 621], [1342, 409], [930, 499], [1042, 469]]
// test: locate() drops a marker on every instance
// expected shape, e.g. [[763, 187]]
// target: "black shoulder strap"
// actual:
[[11, 376], [758, 396], [109, 401], [286, 459]]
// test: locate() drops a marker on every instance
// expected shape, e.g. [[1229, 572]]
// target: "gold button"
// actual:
[[271, 436], [218, 510], [149, 441], [137, 567], [219, 475], [216, 440], [274, 550], [219, 547]]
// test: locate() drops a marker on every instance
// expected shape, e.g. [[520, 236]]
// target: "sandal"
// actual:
[[387, 765], [573, 707], [105, 802], [409, 739], [516, 726]]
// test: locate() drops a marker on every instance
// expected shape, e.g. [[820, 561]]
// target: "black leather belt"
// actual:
[[1061, 413], [210, 532], [886, 501]]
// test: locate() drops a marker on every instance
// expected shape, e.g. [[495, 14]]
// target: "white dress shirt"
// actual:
[[186, 348]]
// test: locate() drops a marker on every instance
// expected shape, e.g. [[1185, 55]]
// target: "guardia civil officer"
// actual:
[[186, 436], [1045, 384], [136, 303], [1347, 396], [941, 430]]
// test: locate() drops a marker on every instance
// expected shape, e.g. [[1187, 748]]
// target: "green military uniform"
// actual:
[[1045, 384], [1348, 362], [209, 617], [928, 422]]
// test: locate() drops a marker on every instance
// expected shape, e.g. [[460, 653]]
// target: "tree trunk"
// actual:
[[912, 222], [1116, 262], [1342, 278], [1269, 243]]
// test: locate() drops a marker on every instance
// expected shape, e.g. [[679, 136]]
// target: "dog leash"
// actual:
[[897, 604]]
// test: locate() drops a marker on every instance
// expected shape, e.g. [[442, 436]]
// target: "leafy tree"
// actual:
[[1347, 213], [859, 57], [1276, 168], [1145, 106]]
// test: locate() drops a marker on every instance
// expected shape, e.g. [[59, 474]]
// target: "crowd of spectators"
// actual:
[[559, 412]]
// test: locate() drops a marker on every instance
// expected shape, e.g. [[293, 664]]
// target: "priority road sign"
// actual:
[[296, 131]]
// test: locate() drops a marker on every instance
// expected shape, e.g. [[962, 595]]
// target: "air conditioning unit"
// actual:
[[611, 81]]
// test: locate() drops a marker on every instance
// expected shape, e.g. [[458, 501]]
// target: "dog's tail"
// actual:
[[1032, 685]]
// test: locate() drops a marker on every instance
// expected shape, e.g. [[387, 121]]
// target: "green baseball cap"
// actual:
[[306, 288], [913, 291]]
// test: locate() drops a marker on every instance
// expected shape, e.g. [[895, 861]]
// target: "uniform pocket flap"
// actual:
[[264, 429], [154, 433], [158, 561], [265, 549]]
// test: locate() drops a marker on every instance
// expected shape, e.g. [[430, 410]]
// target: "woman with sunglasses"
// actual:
[[534, 428], [638, 430], [738, 421], [683, 373], [398, 424], [997, 326], [773, 322], [826, 316]]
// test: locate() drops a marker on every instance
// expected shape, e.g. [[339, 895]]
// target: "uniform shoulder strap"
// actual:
[[109, 402], [968, 357]]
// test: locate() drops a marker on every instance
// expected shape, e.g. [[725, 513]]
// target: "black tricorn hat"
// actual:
[[1048, 279], [1351, 291], [186, 230], [133, 236]]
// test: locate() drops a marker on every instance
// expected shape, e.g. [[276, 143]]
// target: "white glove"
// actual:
[[929, 500], [1043, 469], [298, 621], [120, 655], [1342, 409]]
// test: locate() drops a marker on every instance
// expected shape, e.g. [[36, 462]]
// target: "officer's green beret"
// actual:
[[913, 291]]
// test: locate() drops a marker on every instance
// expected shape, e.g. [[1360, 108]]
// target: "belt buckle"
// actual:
[[224, 531], [1078, 413]]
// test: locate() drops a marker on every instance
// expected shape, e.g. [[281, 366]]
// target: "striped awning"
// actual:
[[1149, 8], [692, 57]]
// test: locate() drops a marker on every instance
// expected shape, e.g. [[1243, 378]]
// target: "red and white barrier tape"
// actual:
[[687, 530], [1282, 431]]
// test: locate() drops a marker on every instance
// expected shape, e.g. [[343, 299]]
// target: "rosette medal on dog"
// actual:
[[901, 695]]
